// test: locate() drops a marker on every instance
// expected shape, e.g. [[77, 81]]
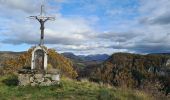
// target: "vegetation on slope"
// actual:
[[5, 55], [67, 90], [135, 71], [55, 60], [121, 69]]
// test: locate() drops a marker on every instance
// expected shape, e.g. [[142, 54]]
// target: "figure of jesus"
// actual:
[[42, 19]]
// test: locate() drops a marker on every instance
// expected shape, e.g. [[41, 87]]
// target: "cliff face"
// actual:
[[133, 70], [135, 61]]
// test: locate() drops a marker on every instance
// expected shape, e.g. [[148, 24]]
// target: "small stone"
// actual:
[[55, 82], [47, 82], [40, 80], [31, 79], [38, 76], [34, 84], [56, 77], [47, 75]]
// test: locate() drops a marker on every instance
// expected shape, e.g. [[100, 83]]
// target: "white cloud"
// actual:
[[64, 31], [148, 31], [24, 5]]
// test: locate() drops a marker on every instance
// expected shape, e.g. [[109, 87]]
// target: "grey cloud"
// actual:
[[155, 12], [139, 38], [163, 19], [118, 37], [81, 51], [145, 44], [28, 6], [18, 42], [63, 41], [143, 47], [48, 40], [150, 48]]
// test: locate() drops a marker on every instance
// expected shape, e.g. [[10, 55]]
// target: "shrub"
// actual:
[[55, 61], [11, 80]]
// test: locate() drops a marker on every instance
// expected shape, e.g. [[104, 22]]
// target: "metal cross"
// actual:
[[42, 19]]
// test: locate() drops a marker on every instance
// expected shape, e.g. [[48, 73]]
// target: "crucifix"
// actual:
[[42, 19]]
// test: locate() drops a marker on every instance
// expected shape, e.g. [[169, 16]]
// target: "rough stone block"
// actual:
[[31, 79], [56, 77], [55, 82], [47, 82], [47, 75], [24, 79], [38, 76], [34, 84], [39, 80]]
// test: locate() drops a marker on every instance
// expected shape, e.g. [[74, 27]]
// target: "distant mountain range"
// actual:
[[96, 57], [76, 58], [86, 58]]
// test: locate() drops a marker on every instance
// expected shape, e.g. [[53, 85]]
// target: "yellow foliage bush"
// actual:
[[55, 60]]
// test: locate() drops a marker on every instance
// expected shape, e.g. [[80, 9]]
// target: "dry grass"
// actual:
[[69, 90]]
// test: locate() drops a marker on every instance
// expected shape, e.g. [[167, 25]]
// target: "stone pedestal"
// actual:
[[38, 79], [38, 75]]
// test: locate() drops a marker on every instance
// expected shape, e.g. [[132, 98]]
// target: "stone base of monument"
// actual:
[[38, 74], [34, 78]]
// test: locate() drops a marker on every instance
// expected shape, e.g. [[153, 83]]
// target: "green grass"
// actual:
[[68, 90]]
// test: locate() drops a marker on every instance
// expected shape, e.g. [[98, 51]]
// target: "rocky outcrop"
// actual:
[[38, 79], [132, 69]]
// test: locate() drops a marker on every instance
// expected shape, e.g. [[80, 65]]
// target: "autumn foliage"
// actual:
[[60, 62], [133, 70], [55, 60]]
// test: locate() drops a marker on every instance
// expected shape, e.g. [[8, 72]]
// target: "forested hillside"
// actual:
[[147, 72]]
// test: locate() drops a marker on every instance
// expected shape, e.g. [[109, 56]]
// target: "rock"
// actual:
[[34, 84], [38, 79], [47, 82], [55, 82], [47, 75], [56, 77], [24, 79], [38, 76], [168, 62], [31, 79]]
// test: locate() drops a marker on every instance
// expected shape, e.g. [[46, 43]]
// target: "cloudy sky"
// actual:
[[88, 26]]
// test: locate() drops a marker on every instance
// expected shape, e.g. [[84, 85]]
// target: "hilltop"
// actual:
[[149, 73], [68, 89]]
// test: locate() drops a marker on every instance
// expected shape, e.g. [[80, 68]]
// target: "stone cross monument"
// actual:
[[39, 54], [42, 19], [39, 74]]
